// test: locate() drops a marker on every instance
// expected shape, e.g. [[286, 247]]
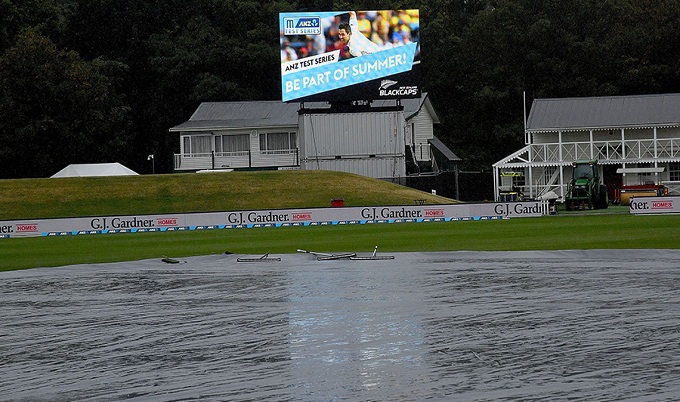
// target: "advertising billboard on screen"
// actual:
[[350, 55]]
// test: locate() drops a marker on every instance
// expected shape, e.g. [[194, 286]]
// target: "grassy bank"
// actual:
[[176, 193]]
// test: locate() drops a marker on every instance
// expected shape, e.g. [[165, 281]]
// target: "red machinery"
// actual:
[[625, 193]]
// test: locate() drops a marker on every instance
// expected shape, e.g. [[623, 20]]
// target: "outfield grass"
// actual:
[[561, 232]]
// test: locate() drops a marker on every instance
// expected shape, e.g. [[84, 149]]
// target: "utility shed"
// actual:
[[636, 140], [369, 143]]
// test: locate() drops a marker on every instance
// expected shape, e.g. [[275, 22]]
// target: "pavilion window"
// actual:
[[238, 143], [197, 144], [278, 142], [674, 171]]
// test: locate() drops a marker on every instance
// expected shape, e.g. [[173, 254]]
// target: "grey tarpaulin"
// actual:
[[587, 325]]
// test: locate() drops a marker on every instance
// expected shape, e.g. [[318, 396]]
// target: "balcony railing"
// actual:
[[619, 151], [236, 160]]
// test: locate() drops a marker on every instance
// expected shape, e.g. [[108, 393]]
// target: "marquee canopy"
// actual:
[[94, 169]]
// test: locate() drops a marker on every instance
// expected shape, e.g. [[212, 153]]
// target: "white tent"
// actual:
[[94, 169]]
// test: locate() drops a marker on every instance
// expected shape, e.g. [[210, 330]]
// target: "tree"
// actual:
[[44, 15], [56, 109]]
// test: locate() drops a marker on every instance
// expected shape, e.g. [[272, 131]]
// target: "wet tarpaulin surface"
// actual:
[[577, 325]]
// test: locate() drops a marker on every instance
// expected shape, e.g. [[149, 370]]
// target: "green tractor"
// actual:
[[584, 189]]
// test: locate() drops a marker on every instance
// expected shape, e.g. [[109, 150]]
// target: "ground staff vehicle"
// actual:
[[585, 189]]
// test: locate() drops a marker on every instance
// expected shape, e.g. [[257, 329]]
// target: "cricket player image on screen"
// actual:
[[357, 43]]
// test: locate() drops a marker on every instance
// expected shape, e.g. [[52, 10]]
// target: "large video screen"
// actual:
[[350, 55]]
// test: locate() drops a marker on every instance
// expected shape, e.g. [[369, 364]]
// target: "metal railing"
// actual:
[[235, 160], [617, 150]]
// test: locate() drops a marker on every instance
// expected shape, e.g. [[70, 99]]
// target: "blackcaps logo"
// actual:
[[400, 91], [384, 84]]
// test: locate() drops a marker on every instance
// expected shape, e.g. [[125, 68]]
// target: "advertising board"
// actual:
[[270, 218], [654, 205], [350, 55]]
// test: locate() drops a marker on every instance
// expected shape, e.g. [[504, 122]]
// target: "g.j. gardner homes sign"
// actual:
[[265, 218]]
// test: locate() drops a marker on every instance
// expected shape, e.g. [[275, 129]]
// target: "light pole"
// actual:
[[153, 163]]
